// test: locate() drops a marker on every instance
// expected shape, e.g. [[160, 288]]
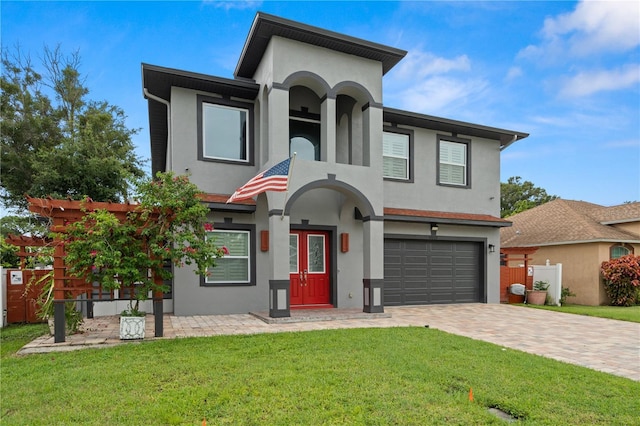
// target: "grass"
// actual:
[[408, 376], [14, 337], [630, 313]]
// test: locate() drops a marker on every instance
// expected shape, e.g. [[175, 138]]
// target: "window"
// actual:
[[396, 158], [224, 130], [304, 135], [620, 250], [236, 267], [453, 162]]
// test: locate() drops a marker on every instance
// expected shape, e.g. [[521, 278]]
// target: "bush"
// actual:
[[622, 280], [566, 292]]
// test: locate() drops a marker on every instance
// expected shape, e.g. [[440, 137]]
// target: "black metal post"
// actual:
[[58, 321], [157, 314]]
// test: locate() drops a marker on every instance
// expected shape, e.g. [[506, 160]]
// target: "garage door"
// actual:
[[419, 272]]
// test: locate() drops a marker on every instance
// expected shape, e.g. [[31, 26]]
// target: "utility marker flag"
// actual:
[[274, 179]]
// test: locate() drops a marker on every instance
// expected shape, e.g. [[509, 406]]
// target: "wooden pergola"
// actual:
[[23, 243], [68, 288]]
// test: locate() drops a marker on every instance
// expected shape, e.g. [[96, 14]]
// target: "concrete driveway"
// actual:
[[600, 344]]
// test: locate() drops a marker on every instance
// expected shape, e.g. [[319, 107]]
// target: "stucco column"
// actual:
[[278, 141], [373, 262], [279, 260], [328, 130], [372, 137]]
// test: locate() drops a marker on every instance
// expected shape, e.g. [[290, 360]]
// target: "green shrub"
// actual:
[[566, 292], [622, 280]]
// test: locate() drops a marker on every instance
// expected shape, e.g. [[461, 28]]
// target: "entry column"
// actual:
[[373, 281], [279, 285]]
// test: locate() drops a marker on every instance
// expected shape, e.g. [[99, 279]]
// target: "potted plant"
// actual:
[[129, 253], [538, 295]]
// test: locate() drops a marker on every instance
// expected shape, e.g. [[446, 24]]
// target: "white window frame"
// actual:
[[406, 158], [443, 142]]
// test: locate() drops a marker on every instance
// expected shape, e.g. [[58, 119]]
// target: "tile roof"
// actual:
[[446, 217], [569, 222]]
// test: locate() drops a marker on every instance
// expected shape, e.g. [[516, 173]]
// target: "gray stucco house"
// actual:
[[385, 207]]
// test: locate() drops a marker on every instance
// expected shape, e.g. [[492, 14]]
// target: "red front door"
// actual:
[[309, 268]]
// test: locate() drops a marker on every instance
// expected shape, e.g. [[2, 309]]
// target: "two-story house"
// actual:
[[385, 207]]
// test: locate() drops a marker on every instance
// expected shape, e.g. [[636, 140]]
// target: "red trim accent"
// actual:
[[388, 211]]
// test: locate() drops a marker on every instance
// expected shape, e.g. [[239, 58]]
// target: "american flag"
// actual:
[[274, 179]]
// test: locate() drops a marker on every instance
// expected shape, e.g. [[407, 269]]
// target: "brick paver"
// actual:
[[601, 344]]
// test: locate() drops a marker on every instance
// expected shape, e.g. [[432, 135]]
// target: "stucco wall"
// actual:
[[482, 197], [580, 270], [633, 227]]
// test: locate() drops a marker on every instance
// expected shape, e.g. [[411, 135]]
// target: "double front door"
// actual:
[[309, 268]]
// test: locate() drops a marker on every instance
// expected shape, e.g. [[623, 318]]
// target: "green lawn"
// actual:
[[408, 376], [631, 313]]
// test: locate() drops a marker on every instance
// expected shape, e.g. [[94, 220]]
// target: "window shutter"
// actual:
[[394, 167], [453, 162], [233, 268], [395, 151]]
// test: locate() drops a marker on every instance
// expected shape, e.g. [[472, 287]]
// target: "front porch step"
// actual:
[[312, 315]]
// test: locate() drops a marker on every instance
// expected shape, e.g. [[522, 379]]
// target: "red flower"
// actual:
[[94, 253], [225, 250], [208, 227]]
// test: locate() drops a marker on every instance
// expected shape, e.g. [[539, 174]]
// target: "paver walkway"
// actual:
[[601, 344]]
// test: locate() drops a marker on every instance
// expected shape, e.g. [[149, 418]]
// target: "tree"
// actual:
[[32, 226], [169, 223], [67, 147], [517, 196]]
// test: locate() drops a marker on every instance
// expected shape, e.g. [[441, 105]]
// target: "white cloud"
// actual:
[[513, 73], [431, 84], [587, 83], [418, 64], [234, 4], [594, 26], [441, 94]]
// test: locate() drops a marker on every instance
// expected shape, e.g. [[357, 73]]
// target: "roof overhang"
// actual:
[[218, 202], [566, 243], [407, 118], [266, 26], [158, 81], [452, 218]]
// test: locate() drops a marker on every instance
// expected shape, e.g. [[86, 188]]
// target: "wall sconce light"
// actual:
[[344, 242], [264, 240], [434, 227], [492, 248]]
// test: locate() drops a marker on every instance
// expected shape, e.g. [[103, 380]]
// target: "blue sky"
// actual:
[[568, 73]]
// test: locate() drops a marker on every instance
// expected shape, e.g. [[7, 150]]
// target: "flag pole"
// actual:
[[286, 194]]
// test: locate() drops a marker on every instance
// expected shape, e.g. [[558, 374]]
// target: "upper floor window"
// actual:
[[224, 130], [396, 154], [620, 250], [453, 164], [304, 135]]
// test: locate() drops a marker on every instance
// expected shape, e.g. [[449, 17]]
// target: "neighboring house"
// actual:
[[579, 235], [385, 207]]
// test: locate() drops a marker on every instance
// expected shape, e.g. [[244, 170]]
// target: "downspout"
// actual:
[[169, 144]]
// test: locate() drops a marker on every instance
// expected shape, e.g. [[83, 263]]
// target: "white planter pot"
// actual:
[[132, 328]]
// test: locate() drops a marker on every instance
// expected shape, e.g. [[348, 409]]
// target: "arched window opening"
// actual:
[[304, 124], [619, 250]]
